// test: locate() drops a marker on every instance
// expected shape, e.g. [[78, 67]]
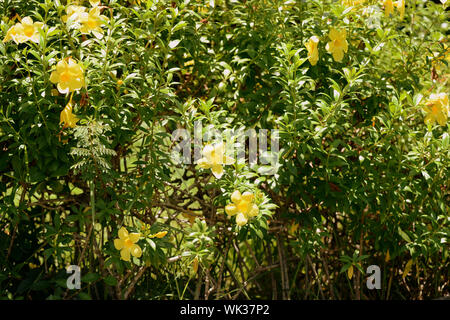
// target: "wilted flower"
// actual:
[[242, 206], [68, 76], [437, 109], [127, 244], [388, 7], [214, 158], [338, 44], [73, 16], [24, 31], [67, 117], [352, 3], [313, 52], [400, 4]]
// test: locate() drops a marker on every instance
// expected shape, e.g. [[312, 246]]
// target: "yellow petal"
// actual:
[[54, 77], [207, 150], [27, 21], [217, 171], [136, 251], [125, 254], [338, 55], [228, 160], [134, 237], [123, 233], [160, 234], [236, 196], [254, 210], [241, 219], [63, 87], [231, 209], [118, 244], [247, 196], [203, 163]]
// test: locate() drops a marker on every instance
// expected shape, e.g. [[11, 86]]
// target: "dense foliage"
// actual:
[[91, 96]]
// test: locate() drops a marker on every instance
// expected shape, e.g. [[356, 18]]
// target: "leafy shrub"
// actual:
[[90, 99]]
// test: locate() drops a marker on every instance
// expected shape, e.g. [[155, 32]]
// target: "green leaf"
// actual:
[[403, 235], [90, 277]]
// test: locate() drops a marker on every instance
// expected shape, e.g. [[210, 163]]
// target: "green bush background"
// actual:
[[362, 180]]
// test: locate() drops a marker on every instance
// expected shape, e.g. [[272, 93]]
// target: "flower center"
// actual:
[[28, 31], [434, 109], [92, 23], [128, 243], [243, 206], [65, 77], [338, 43]]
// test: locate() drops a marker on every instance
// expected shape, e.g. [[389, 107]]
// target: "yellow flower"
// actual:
[[67, 117], [127, 244], [158, 235], [437, 109], [213, 158], [68, 76], [94, 3], [24, 31], [92, 22], [388, 7], [242, 206], [338, 44], [400, 4], [313, 53]]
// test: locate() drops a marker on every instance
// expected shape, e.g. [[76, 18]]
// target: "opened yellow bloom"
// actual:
[[127, 244], [94, 3], [92, 22], [67, 117], [437, 109], [214, 158], [242, 206], [24, 31], [68, 76], [313, 52], [338, 44]]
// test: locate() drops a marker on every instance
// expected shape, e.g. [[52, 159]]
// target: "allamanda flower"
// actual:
[[437, 109], [338, 44], [242, 206], [67, 117], [313, 52], [214, 158], [24, 31], [126, 243], [92, 22], [68, 76]]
